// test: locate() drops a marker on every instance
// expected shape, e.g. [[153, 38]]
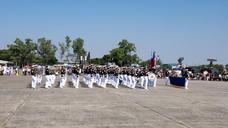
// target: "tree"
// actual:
[[22, 53], [17, 52], [134, 59], [30, 51], [65, 49], [46, 51], [218, 67], [117, 55], [68, 45], [5, 55], [78, 48], [107, 58], [62, 50], [122, 55], [97, 61]]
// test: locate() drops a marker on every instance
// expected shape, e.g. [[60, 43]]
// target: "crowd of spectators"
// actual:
[[205, 75]]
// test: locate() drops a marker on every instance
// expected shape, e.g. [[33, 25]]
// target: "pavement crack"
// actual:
[[164, 116], [181, 123], [13, 112]]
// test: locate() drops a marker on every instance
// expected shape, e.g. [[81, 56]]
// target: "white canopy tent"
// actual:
[[3, 62]]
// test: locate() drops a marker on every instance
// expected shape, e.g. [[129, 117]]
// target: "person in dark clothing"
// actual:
[[47, 72]]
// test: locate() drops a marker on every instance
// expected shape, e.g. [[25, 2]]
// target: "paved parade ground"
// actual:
[[203, 105]]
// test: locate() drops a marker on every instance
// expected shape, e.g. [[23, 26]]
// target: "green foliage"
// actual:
[[22, 53], [218, 67], [46, 51], [28, 52], [5, 55], [122, 55], [62, 50], [78, 48], [68, 42], [107, 58], [67, 47], [97, 61], [118, 56]]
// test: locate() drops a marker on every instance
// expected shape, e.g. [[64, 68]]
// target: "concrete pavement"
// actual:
[[203, 105]]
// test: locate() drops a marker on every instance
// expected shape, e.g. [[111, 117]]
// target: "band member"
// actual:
[[62, 77], [52, 77], [34, 78], [48, 78], [75, 77], [40, 73]]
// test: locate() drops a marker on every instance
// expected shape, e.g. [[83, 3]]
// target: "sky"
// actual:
[[193, 29]]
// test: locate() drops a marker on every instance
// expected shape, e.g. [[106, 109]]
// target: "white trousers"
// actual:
[[117, 82], [167, 81], [134, 82], [75, 80], [48, 81], [145, 82], [104, 81], [90, 81], [141, 81], [34, 82], [39, 80], [52, 78], [63, 81]]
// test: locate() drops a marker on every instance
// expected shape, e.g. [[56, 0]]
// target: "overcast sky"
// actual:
[[194, 29]]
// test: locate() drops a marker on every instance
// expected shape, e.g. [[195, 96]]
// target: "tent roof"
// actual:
[[5, 62]]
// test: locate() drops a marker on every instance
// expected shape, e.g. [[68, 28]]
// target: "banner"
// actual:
[[179, 81]]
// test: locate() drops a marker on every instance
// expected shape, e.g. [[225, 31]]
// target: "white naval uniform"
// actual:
[[104, 81], [134, 82], [39, 79], [145, 82], [53, 77], [91, 81], [75, 80], [63, 80], [48, 81], [117, 81], [141, 81], [152, 80], [34, 81]]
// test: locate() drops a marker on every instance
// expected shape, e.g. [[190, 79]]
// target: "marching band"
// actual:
[[92, 75]]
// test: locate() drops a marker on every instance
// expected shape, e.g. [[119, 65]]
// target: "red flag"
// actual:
[[153, 61]]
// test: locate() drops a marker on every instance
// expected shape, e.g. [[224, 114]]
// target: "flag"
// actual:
[[153, 61]]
